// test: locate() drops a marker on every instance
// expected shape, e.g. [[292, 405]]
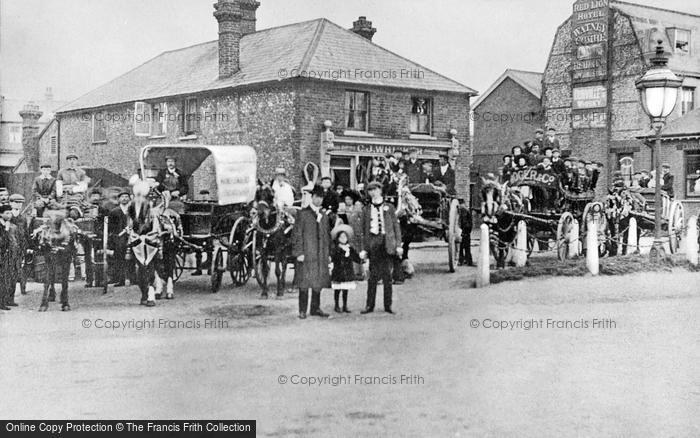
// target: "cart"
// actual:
[[220, 227]]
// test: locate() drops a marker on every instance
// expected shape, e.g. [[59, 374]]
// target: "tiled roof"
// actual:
[[652, 23], [315, 46], [686, 126], [529, 80]]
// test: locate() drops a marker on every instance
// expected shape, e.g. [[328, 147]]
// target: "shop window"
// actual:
[[625, 164], [191, 119], [421, 115], [692, 174], [681, 41], [341, 171], [99, 128], [687, 100], [159, 119], [356, 110]]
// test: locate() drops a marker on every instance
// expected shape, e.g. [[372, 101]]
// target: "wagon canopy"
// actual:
[[235, 167]]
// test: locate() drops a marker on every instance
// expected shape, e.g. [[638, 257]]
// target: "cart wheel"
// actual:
[[238, 252], [217, 271], [676, 221], [179, 266], [452, 231], [566, 223]]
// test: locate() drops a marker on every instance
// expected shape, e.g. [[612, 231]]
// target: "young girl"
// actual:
[[343, 257]]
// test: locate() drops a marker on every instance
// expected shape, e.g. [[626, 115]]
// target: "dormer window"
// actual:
[[680, 39]]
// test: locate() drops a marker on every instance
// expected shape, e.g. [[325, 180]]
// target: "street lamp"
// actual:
[[658, 91]]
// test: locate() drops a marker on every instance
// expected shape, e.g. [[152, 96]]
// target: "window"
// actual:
[[341, 172], [421, 111], [142, 118], [692, 173], [681, 41], [15, 134], [159, 119], [99, 129], [687, 100], [54, 145], [190, 121], [356, 110]]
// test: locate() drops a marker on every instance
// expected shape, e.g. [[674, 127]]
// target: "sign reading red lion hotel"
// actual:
[[590, 35]]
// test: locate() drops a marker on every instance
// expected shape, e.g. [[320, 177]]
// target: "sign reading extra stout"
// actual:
[[534, 176], [589, 26]]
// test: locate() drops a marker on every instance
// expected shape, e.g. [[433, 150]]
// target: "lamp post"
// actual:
[[658, 91]]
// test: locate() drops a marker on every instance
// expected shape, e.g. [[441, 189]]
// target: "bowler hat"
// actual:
[[123, 193], [342, 228], [666, 165], [16, 198], [317, 191], [71, 157], [373, 186], [45, 166]]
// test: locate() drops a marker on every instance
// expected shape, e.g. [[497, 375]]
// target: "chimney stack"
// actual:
[[236, 19], [30, 130], [364, 28]]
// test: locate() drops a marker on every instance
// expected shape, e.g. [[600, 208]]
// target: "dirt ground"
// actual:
[[608, 356]]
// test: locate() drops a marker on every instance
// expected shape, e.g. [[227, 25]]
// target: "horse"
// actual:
[[273, 239], [171, 230], [497, 202], [55, 243]]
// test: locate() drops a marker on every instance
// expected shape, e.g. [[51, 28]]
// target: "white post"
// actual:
[[691, 243], [521, 245], [632, 238], [574, 240], [483, 274], [592, 248]]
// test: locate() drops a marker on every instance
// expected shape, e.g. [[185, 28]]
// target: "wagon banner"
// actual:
[[535, 176]]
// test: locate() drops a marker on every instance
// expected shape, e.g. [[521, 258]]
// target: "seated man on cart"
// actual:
[[72, 183], [44, 191], [172, 183]]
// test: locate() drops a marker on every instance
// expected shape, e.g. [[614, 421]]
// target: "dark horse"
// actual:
[[496, 202], [273, 232]]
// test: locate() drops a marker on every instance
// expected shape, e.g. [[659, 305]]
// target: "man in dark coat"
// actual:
[[414, 168], [311, 246], [465, 223], [22, 223], [44, 191], [667, 180], [380, 241], [445, 174], [118, 239], [330, 198], [171, 180], [8, 245]]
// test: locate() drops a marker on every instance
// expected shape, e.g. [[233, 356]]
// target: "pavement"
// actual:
[[606, 356]]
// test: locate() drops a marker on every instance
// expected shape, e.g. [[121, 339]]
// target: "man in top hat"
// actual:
[[667, 179], [284, 192], [445, 174], [414, 168], [380, 241], [311, 246], [22, 222], [171, 181], [44, 191], [72, 180]]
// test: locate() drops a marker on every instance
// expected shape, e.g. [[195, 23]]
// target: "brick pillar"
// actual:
[[228, 14], [30, 131]]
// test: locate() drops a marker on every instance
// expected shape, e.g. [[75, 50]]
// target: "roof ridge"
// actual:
[[311, 50], [525, 71], [402, 57], [653, 7]]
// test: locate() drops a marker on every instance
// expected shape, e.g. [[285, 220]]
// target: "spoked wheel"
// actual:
[[566, 224], [676, 222], [238, 252], [179, 266], [452, 231], [217, 270]]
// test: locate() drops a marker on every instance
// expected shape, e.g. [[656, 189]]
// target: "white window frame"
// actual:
[[676, 31], [142, 128], [161, 120], [94, 126], [691, 91]]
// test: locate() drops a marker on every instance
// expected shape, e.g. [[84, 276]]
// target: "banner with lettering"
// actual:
[[535, 176]]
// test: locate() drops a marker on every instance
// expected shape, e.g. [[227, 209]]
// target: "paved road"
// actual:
[[637, 373]]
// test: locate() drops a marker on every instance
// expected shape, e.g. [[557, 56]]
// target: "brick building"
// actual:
[[305, 92], [589, 93], [505, 115]]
